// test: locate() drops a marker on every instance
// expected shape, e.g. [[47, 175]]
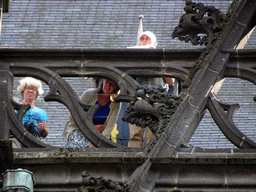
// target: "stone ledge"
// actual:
[[196, 155], [63, 155], [193, 155]]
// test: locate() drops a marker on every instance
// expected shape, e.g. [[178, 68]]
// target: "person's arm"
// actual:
[[85, 98], [42, 126], [100, 127], [111, 120], [88, 97]]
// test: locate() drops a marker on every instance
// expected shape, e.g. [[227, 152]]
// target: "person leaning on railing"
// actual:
[[104, 119], [35, 119]]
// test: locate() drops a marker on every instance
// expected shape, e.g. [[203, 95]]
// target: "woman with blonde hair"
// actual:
[[35, 119]]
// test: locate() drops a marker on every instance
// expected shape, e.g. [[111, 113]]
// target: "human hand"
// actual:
[[91, 146], [99, 127], [42, 126]]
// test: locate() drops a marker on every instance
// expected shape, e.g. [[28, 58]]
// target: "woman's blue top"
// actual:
[[34, 116], [101, 115]]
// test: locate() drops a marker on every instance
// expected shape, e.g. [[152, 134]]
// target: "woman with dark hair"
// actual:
[[104, 119]]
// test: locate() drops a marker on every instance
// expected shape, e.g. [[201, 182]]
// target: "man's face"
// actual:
[[145, 40]]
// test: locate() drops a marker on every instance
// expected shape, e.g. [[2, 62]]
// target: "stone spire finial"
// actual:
[[140, 30]]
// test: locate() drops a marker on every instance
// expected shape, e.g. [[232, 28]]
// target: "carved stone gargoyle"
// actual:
[[152, 108], [96, 184], [200, 24]]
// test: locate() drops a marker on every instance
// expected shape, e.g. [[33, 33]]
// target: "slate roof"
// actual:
[[110, 24], [92, 24]]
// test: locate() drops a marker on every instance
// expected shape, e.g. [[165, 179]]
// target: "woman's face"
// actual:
[[145, 40], [108, 87], [30, 92]]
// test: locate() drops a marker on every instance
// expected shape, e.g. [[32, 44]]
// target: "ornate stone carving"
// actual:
[[198, 20], [93, 184], [152, 108]]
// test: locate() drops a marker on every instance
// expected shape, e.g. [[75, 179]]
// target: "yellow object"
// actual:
[[114, 133]]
